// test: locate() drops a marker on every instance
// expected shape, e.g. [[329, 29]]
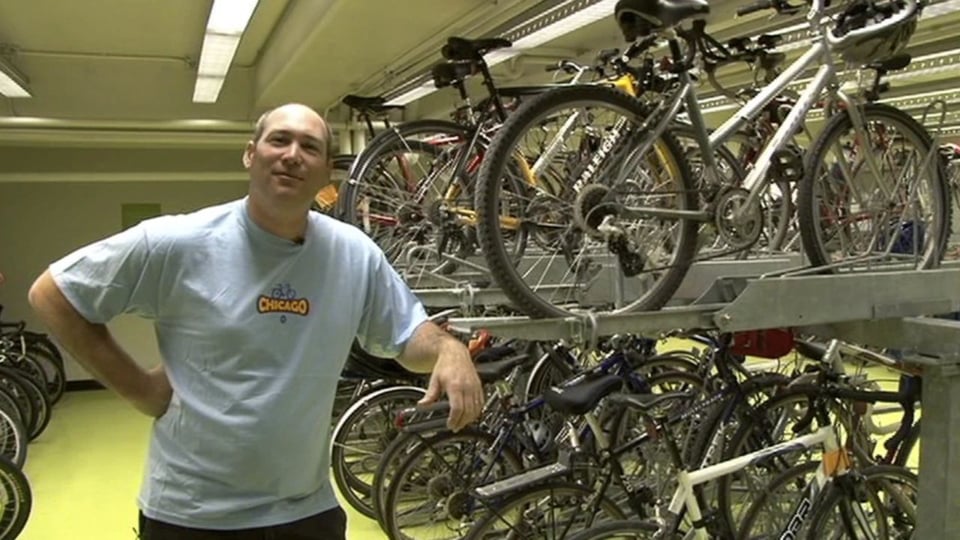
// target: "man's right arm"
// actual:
[[94, 348]]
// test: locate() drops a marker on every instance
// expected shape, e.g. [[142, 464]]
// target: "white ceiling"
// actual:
[[120, 73]]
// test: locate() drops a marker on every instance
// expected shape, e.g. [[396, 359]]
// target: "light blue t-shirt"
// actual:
[[254, 330]]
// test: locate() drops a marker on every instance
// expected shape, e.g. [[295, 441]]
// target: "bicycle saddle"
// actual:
[[640, 18], [368, 104], [497, 370], [893, 63], [582, 397], [769, 41], [811, 349], [458, 48]]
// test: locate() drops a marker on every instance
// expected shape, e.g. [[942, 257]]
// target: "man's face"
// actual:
[[289, 164]]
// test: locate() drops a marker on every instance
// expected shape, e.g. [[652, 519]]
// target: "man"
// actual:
[[256, 304]]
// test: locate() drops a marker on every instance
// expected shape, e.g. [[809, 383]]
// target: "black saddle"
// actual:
[[894, 63], [582, 397], [373, 104], [640, 18], [458, 48], [769, 41], [811, 349], [497, 370]]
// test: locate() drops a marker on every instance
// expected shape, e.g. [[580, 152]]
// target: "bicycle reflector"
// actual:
[[770, 343]]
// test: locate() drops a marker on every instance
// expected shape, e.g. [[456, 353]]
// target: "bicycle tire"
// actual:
[[12, 386], [384, 142], [457, 501], [872, 479], [40, 402], [356, 490], [547, 491], [737, 446], [13, 435], [500, 156], [814, 244], [627, 529], [54, 375], [17, 499], [907, 446], [395, 454]]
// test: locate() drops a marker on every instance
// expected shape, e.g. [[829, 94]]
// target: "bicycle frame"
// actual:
[[834, 463], [756, 180]]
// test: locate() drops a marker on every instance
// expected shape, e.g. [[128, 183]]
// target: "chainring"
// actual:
[[737, 233]]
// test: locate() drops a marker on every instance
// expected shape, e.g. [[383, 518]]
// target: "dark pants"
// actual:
[[329, 525]]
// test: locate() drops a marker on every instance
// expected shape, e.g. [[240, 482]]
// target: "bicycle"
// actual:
[[633, 207], [838, 484]]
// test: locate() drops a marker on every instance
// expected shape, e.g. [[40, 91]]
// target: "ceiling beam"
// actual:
[[285, 49]]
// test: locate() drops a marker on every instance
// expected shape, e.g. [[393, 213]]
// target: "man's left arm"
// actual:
[[432, 350]]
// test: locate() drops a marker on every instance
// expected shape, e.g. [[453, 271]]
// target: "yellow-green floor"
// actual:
[[85, 472]]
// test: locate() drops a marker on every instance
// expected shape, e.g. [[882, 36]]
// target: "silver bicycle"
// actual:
[[625, 227]]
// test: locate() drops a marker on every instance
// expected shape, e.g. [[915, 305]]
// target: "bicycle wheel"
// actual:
[[39, 400], [16, 500], [431, 493], [908, 455], [13, 435], [557, 196], [874, 197], [774, 421], [878, 502], [396, 453], [403, 194], [629, 529], [361, 436], [550, 511]]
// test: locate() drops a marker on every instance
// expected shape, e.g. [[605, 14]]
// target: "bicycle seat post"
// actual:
[[492, 89]]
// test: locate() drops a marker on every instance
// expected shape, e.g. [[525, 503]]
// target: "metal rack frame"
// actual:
[[887, 309]]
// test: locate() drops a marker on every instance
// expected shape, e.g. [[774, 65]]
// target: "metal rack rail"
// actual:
[[887, 309]]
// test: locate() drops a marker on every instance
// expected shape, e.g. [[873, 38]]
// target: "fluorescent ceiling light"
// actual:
[[207, 89], [12, 83], [11, 88], [226, 24], [575, 21], [414, 94], [230, 16], [218, 51], [941, 8]]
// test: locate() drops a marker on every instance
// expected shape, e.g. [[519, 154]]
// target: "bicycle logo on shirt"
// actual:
[[283, 299]]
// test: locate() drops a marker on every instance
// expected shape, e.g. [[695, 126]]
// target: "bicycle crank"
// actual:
[[739, 227]]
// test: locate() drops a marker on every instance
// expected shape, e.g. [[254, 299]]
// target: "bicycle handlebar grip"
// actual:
[[754, 7]]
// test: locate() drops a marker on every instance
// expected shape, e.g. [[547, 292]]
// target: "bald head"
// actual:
[[261, 126]]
